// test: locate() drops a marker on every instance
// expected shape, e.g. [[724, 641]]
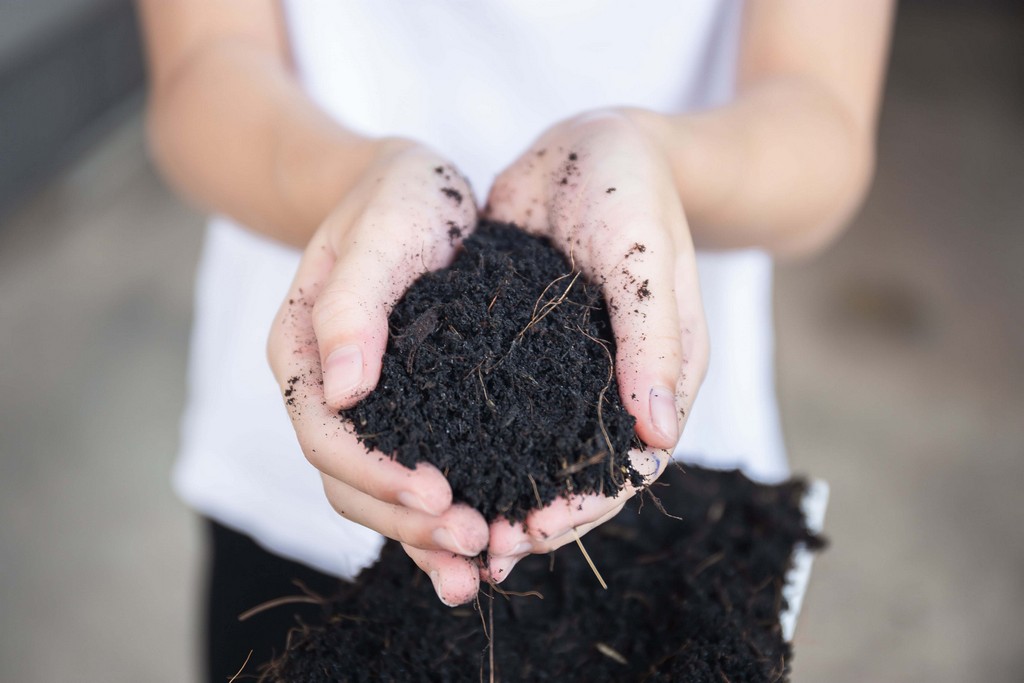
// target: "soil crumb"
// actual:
[[498, 371], [454, 233], [643, 291], [694, 597], [452, 193]]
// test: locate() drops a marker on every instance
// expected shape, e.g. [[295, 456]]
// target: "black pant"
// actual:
[[242, 575]]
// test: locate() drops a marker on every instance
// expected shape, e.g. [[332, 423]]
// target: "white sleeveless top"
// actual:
[[477, 81]]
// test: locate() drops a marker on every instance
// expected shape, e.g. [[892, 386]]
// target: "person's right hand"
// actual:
[[406, 216]]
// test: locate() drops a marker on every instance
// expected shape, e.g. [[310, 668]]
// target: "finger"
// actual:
[[517, 194], [641, 293], [499, 568], [643, 256], [557, 518], [328, 441], [411, 227], [694, 338], [460, 529], [565, 514], [508, 538], [646, 265], [610, 201], [580, 531], [627, 248], [456, 579], [551, 521], [562, 515]]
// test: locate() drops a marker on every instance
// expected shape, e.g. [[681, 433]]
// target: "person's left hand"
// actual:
[[602, 189]]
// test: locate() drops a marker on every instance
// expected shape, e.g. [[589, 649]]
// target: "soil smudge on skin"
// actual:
[[453, 194], [454, 233], [498, 372]]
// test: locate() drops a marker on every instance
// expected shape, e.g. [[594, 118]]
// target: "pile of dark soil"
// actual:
[[691, 599], [498, 371]]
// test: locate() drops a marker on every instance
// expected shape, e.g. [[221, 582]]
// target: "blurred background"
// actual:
[[901, 366]]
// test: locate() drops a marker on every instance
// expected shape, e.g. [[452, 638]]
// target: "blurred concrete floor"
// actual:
[[901, 372], [900, 369], [97, 557]]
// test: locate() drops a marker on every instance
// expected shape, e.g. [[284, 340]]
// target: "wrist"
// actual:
[[703, 153], [315, 164], [316, 167]]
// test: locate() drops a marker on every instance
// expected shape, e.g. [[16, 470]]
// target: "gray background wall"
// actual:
[[68, 72]]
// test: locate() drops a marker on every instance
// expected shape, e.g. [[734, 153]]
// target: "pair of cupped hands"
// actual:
[[600, 187]]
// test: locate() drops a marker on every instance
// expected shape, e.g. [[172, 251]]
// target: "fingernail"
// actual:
[[343, 371], [663, 413], [446, 539], [413, 500], [435, 579]]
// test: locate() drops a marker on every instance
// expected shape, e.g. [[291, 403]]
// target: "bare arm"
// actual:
[[784, 165], [230, 127], [781, 167]]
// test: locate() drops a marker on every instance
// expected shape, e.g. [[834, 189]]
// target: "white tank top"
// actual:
[[477, 81]]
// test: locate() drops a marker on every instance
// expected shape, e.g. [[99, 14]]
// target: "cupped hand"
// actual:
[[407, 215], [601, 188]]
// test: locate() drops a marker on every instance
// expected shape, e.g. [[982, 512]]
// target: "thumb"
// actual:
[[351, 326], [661, 339], [375, 263]]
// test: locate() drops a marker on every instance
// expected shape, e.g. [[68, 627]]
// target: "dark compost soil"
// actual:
[[691, 599], [498, 371]]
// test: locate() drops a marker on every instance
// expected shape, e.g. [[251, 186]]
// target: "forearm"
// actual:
[[232, 130], [781, 168], [786, 163]]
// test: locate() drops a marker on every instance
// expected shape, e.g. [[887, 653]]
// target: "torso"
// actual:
[[477, 81]]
